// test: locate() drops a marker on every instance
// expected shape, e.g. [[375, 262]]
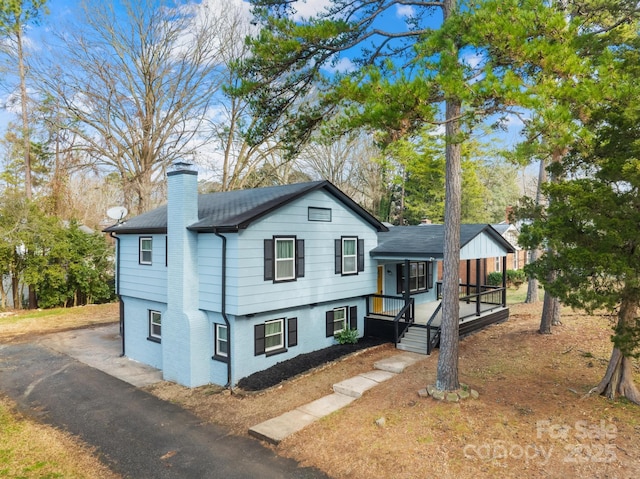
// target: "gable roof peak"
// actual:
[[237, 209]]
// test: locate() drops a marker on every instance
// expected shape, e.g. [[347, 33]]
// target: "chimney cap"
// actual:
[[182, 165]]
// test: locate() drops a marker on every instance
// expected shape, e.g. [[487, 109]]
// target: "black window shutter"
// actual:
[[258, 345], [360, 255], [329, 319], [299, 258], [292, 332], [399, 281], [338, 256], [429, 275], [268, 259], [353, 317]]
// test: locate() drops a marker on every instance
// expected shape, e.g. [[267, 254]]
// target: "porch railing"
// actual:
[[488, 294], [396, 308], [405, 313], [389, 306]]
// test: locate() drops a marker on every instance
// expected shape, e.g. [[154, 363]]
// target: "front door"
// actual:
[[377, 302]]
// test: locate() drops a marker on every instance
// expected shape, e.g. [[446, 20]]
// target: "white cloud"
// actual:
[[439, 130], [511, 120], [309, 8], [405, 11], [344, 65], [472, 59]]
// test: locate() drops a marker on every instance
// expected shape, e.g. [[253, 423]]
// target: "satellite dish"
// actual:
[[117, 212]]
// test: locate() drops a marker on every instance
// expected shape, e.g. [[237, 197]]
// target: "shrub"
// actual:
[[515, 277], [347, 336], [495, 278]]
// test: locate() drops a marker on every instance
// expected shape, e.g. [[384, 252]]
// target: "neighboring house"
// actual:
[[518, 258], [216, 287]]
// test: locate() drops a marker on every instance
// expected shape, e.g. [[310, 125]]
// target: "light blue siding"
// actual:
[[143, 281], [482, 246], [137, 346], [210, 269], [311, 335], [249, 293]]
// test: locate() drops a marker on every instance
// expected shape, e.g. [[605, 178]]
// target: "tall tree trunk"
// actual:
[[550, 309], [618, 379], [532, 283], [3, 294], [15, 289], [144, 188], [447, 374], [551, 312], [532, 286], [25, 115], [447, 371]]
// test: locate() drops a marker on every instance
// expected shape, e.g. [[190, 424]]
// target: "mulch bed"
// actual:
[[302, 363]]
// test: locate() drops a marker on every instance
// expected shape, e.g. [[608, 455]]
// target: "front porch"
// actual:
[[416, 328]]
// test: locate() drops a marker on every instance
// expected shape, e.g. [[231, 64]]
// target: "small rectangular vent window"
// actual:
[[319, 214]]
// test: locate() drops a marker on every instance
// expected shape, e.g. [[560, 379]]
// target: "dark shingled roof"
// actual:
[[428, 240], [234, 210], [501, 227]]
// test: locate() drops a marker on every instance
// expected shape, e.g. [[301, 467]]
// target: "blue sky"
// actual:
[[63, 10]]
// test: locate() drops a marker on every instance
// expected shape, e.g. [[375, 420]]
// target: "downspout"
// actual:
[[223, 303], [117, 238]]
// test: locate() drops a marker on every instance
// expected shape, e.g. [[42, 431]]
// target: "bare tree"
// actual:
[[138, 85], [13, 18], [350, 162]]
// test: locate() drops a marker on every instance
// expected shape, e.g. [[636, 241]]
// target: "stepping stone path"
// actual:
[[276, 429]]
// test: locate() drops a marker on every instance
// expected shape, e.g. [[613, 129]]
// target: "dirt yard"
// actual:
[[531, 419]]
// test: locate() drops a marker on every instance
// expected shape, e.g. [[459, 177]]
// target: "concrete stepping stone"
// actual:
[[275, 430], [396, 364], [326, 405], [378, 375], [354, 386]]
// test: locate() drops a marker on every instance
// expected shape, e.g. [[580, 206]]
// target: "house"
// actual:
[[515, 259], [518, 258], [216, 287]]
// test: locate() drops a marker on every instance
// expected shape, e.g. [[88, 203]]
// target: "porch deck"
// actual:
[[409, 327], [424, 311]]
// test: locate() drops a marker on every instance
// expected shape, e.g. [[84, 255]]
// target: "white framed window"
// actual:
[[515, 260], [273, 335], [349, 255], [155, 324], [339, 319], [498, 264], [221, 341], [145, 251], [285, 254]]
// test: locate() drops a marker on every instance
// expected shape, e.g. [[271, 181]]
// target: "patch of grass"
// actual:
[[515, 296], [32, 450], [23, 324]]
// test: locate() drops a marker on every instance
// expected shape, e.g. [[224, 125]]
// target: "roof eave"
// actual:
[[135, 231]]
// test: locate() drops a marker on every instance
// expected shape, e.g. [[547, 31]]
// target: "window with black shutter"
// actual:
[[283, 259], [349, 255]]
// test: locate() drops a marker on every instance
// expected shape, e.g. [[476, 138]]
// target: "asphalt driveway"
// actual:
[[137, 434]]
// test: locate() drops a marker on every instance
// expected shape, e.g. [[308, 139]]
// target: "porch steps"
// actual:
[[414, 340]]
